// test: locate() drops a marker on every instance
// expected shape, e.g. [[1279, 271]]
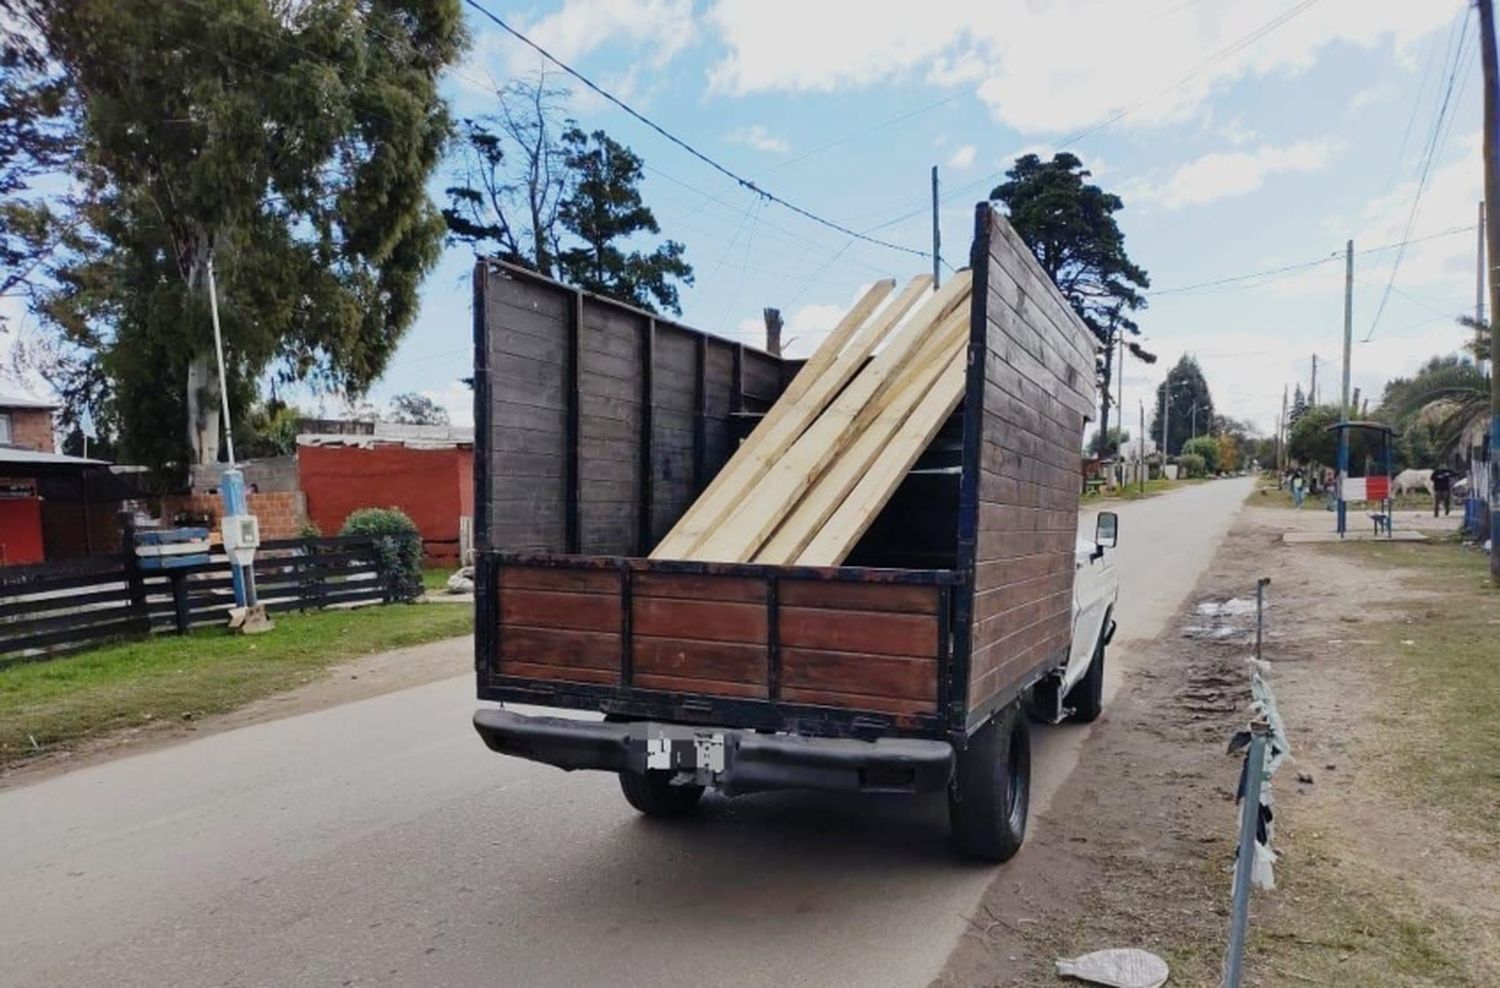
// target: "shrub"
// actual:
[[1205, 448], [398, 544], [1192, 465]]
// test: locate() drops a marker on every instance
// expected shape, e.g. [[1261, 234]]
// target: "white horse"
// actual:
[[1410, 480]]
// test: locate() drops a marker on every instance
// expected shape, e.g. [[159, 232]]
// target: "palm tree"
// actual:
[[1479, 347], [1448, 393]]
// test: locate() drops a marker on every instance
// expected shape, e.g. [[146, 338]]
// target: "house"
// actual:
[[427, 471], [31, 470]]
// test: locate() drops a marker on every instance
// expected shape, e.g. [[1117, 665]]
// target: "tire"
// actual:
[[1086, 698], [653, 794], [991, 791]]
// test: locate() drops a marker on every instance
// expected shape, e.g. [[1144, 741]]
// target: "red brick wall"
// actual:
[[281, 513], [31, 428], [20, 531], [433, 486]]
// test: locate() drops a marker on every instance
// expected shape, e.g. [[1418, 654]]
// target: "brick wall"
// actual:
[[31, 428], [281, 513]]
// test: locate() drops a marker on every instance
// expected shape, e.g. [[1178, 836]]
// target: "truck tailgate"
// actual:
[[850, 640]]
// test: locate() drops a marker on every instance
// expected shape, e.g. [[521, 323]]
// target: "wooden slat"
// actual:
[[884, 597], [551, 646], [733, 662], [569, 611], [566, 674], [761, 508], [831, 366], [856, 701], [693, 587], [863, 631], [912, 678], [709, 620], [569, 580], [706, 687], [838, 536]]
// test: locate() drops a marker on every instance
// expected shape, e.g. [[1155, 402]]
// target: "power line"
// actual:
[[1303, 265], [684, 145], [1435, 141]]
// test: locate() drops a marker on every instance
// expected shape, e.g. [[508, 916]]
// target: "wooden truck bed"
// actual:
[[596, 427]]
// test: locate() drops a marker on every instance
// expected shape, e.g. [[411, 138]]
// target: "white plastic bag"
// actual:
[[1125, 967]]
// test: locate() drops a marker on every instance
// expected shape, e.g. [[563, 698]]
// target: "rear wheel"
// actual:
[[991, 792], [1086, 698], [653, 794]]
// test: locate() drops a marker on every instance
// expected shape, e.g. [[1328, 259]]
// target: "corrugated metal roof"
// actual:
[[31, 457], [25, 401]]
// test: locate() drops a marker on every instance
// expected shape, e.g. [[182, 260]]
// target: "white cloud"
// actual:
[[1371, 95], [804, 327], [1221, 175], [757, 137], [963, 157], [1045, 68], [457, 398]]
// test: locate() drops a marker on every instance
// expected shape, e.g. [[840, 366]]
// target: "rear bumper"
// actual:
[[733, 761]]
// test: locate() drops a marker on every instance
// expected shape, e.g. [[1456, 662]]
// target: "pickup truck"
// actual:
[[968, 608]]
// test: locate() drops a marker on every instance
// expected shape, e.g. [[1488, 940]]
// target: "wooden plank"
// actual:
[[709, 620], [830, 368], [569, 611], [842, 596], [597, 581], [685, 585], [856, 701], [890, 410], [734, 662], [863, 632], [837, 537], [913, 678], [566, 674], [557, 647], [704, 687], [759, 510]]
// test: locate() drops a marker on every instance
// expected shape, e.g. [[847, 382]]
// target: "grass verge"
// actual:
[[1133, 492], [53, 704], [1444, 689]]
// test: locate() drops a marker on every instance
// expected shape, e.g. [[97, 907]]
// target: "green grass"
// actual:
[[435, 578], [1444, 684], [48, 705]]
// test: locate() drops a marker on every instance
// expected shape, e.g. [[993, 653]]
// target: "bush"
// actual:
[[1205, 448], [1192, 465], [398, 543]]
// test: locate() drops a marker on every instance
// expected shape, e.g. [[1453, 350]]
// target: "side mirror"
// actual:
[[1107, 529]]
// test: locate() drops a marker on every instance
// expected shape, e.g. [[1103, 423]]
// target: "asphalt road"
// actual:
[[378, 842]]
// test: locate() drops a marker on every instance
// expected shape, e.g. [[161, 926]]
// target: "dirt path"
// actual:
[[1376, 886]]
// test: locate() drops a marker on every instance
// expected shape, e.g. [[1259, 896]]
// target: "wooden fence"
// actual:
[[49, 609]]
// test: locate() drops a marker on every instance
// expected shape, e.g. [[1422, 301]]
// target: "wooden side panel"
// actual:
[[672, 428], [527, 419], [1036, 390], [526, 335], [610, 377], [701, 634]]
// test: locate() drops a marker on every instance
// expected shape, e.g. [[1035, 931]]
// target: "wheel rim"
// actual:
[[1015, 767]]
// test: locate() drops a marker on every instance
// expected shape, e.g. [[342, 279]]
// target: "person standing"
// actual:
[[1442, 491], [1299, 485]]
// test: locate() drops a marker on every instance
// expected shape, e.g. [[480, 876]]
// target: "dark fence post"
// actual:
[[134, 579], [180, 602]]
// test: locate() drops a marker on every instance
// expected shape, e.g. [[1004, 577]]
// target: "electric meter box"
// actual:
[[241, 537]]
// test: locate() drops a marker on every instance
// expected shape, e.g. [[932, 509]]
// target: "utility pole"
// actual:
[[937, 236], [1344, 391], [773, 331], [1492, 243], [1280, 442], [1479, 293], [1315, 380], [1141, 463], [1166, 415]]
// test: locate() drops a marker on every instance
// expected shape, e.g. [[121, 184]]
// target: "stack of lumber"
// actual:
[[832, 450]]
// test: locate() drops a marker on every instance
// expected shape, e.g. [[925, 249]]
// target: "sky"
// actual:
[[1242, 137]]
